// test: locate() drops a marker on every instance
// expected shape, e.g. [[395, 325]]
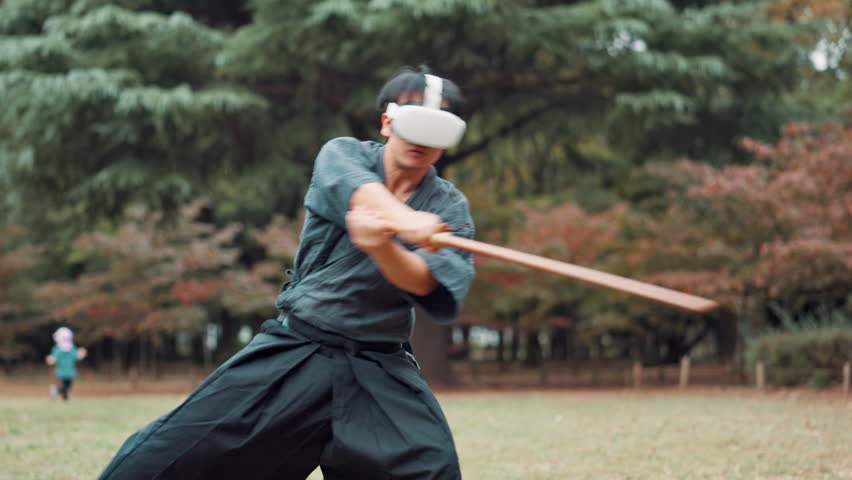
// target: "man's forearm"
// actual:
[[410, 225], [376, 197], [403, 268]]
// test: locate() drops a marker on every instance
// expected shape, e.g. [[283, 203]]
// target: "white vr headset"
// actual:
[[427, 125]]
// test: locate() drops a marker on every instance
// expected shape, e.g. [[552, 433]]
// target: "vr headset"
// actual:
[[427, 124]]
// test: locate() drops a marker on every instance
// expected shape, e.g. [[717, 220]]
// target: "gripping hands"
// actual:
[[373, 229], [418, 227]]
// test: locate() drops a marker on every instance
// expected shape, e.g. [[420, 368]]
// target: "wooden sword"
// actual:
[[607, 280]]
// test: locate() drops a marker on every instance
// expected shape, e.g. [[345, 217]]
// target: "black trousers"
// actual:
[[65, 387], [289, 402]]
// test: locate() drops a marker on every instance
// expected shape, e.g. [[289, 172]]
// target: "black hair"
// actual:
[[408, 79]]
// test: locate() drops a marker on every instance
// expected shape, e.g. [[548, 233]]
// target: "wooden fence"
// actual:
[[619, 374]]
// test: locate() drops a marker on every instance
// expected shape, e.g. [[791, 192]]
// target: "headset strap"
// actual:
[[433, 92]]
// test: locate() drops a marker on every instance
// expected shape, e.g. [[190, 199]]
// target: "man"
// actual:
[[328, 384]]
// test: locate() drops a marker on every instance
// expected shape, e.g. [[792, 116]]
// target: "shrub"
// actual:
[[811, 355]]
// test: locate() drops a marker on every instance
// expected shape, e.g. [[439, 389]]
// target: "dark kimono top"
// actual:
[[337, 287]]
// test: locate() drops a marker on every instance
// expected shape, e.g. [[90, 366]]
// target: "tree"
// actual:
[[765, 238], [16, 314], [157, 107], [109, 104], [645, 77], [131, 98], [147, 280], [531, 301]]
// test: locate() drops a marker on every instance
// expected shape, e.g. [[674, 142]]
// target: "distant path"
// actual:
[[38, 386]]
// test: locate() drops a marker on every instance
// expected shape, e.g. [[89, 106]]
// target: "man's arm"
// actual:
[[372, 232], [410, 225], [439, 286]]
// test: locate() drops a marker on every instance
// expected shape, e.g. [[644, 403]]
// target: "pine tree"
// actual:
[[103, 107]]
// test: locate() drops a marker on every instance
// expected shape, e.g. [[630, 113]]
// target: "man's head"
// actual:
[[422, 109]]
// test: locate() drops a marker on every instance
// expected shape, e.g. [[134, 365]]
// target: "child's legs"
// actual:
[[64, 387]]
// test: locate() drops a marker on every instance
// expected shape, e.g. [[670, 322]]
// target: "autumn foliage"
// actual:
[[155, 276], [531, 298], [771, 236], [775, 234], [16, 308], [779, 230]]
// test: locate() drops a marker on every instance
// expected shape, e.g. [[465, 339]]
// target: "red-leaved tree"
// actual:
[[530, 301], [16, 308], [152, 277], [777, 232]]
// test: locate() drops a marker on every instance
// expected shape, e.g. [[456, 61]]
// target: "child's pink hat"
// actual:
[[64, 338]]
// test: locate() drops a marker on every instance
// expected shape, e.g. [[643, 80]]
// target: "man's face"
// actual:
[[405, 155]]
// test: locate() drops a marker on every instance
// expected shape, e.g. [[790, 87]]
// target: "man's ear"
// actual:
[[386, 128]]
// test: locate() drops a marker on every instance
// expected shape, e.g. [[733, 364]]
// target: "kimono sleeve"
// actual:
[[452, 268], [341, 166]]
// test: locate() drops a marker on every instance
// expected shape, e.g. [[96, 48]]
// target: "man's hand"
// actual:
[[418, 227], [368, 229], [373, 233]]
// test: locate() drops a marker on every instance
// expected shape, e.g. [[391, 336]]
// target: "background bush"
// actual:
[[812, 354]]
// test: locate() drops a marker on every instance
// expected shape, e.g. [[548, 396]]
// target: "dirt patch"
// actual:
[[832, 395], [94, 386]]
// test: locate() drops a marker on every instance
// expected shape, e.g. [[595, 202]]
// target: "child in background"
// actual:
[[64, 356]]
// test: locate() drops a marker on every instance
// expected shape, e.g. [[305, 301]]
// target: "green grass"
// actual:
[[524, 436]]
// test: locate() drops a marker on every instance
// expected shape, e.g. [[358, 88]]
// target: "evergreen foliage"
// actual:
[[559, 90], [107, 107]]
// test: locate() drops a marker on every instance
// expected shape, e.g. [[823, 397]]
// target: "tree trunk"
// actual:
[[501, 342], [465, 353], [143, 355], [533, 349], [155, 354], [431, 343], [115, 371], [725, 333], [228, 341], [98, 361], [559, 344], [515, 345]]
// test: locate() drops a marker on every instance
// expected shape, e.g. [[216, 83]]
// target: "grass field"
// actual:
[[725, 435]]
